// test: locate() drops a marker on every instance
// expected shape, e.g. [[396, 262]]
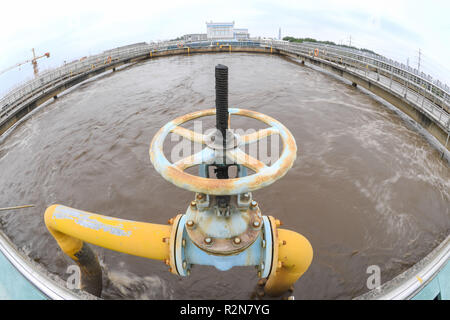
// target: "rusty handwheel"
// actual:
[[214, 152]]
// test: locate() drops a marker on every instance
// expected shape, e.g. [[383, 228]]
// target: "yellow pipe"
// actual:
[[295, 255], [70, 227]]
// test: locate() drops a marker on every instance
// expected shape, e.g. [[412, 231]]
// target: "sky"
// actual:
[[70, 30]]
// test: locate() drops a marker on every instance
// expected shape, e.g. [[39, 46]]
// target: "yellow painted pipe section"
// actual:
[[70, 227], [295, 255]]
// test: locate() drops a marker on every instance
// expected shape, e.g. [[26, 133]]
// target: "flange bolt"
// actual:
[[208, 240], [237, 240], [190, 223]]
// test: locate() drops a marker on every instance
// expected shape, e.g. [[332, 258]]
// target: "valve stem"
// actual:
[[222, 115], [222, 100]]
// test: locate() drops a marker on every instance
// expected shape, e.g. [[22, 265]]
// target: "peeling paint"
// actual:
[[89, 221]]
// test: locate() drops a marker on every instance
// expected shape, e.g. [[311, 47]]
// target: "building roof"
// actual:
[[217, 24]]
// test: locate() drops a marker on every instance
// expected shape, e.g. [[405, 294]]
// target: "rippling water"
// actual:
[[366, 189]]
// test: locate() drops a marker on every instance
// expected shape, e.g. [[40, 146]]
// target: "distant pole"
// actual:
[[279, 34], [350, 42], [418, 63]]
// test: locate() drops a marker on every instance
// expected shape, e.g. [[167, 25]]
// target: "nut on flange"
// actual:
[[256, 224], [190, 223]]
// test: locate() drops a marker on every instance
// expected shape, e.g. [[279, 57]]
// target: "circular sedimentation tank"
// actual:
[[367, 188]]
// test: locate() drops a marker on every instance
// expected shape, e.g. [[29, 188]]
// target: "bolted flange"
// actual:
[[210, 222]]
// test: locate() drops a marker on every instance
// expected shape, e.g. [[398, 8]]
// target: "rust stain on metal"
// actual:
[[225, 246], [176, 175]]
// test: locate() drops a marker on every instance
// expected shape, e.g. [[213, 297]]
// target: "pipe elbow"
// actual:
[[74, 229], [69, 245], [81, 253], [295, 251], [295, 255]]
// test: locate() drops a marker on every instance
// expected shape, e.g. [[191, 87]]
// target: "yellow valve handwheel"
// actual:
[[264, 175]]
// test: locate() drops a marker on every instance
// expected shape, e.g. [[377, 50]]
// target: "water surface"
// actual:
[[366, 189]]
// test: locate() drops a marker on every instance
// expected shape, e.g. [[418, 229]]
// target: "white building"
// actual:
[[241, 34], [220, 30]]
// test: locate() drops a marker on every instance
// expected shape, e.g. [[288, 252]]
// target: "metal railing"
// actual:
[[49, 78], [428, 95], [433, 85]]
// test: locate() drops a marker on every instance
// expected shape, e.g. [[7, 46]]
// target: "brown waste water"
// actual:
[[366, 188]]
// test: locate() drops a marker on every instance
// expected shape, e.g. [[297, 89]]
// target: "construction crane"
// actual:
[[33, 62]]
